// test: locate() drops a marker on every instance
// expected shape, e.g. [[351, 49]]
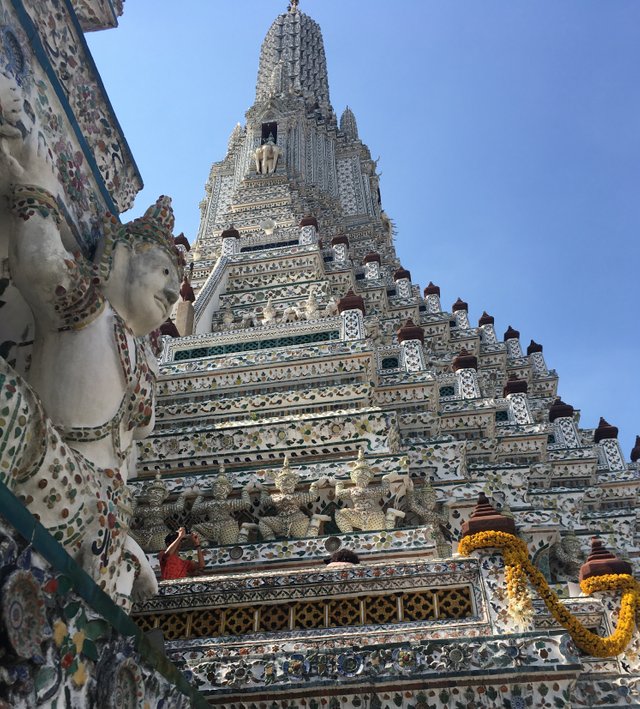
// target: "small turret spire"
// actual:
[[348, 124]]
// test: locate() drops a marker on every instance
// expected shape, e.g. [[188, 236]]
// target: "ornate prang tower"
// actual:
[[317, 400]]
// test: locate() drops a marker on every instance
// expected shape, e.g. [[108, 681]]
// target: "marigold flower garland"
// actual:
[[518, 567]]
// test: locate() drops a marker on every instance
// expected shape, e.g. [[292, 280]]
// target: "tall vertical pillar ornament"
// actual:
[[609, 452], [539, 366], [512, 341], [184, 311], [487, 329], [432, 298], [182, 245], [601, 562], [484, 518], [169, 329], [460, 311], [402, 278], [411, 339], [564, 427], [371, 264], [515, 392], [308, 231], [230, 241], [635, 451], [340, 245], [351, 309], [465, 366]]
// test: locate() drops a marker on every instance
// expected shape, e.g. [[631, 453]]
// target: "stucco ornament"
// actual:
[[67, 428], [366, 513], [228, 317], [566, 556], [266, 157], [213, 518], [311, 307], [331, 309], [290, 314], [10, 115], [290, 521], [23, 613], [269, 314]]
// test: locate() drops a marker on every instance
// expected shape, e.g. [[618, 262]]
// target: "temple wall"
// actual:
[[65, 642]]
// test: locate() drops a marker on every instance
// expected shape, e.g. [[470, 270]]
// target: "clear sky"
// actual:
[[509, 143]]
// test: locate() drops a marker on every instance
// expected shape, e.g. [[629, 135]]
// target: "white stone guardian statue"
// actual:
[[69, 429], [290, 521], [366, 513], [423, 502], [154, 513], [213, 518]]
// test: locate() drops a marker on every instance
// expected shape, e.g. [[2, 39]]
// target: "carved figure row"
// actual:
[[270, 315], [363, 510]]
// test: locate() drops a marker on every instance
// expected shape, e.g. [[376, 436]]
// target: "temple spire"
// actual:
[[293, 62]]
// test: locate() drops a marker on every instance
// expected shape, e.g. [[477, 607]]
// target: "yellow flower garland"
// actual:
[[518, 567]]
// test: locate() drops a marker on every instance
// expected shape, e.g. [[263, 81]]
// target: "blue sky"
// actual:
[[509, 144]]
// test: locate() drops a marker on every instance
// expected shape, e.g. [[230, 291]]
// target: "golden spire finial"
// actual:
[[293, 5]]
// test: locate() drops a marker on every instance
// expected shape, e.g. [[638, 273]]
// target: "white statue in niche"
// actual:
[[266, 157], [250, 318], [89, 393]]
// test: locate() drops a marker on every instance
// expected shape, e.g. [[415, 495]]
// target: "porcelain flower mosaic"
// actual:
[[519, 568]]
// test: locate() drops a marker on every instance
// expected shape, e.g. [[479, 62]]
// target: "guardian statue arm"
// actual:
[[305, 498], [340, 492], [51, 279], [198, 504], [384, 488], [176, 507], [244, 503], [42, 268]]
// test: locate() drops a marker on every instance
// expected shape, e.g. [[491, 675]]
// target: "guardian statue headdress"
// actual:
[[154, 227]]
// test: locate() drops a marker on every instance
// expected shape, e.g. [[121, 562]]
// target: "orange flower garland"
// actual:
[[518, 567]]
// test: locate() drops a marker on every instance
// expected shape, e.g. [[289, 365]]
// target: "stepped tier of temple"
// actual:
[[313, 398]]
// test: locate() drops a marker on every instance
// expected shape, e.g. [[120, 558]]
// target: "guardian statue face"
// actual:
[[287, 484], [221, 489], [151, 288], [140, 267], [362, 477], [156, 494]]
